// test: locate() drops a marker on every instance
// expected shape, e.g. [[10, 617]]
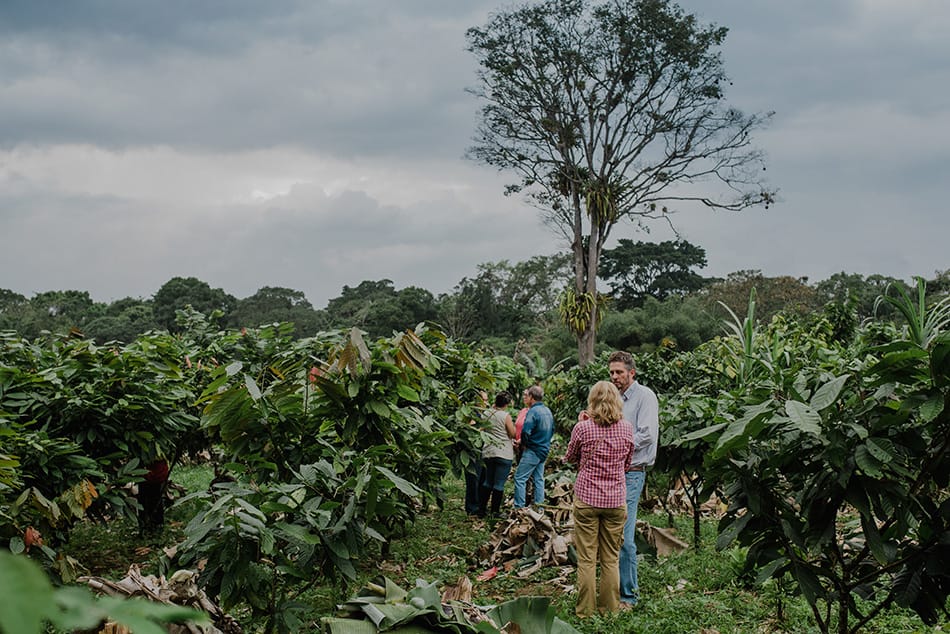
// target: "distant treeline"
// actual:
[[656, 298]]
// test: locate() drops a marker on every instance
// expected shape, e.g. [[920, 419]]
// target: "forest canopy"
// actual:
[[657, 296]]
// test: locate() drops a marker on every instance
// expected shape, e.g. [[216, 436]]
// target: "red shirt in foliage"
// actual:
[[157, 471]]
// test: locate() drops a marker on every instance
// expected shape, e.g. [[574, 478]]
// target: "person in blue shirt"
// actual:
[[535, 444]]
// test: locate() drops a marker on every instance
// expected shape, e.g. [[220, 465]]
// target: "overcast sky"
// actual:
[[314, 144]]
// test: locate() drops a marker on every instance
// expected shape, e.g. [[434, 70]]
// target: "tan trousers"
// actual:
[[598, 534]]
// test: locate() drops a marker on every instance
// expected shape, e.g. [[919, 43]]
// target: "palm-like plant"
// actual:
[[924, 324], [744, 331]]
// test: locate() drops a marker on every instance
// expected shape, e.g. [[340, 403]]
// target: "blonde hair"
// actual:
[[604, 404]]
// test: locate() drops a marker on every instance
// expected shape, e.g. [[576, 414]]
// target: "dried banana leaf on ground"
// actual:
[[527, 534], [559, 493], [663, 540], [528, 540], [461, 590], [677, 500], [713, 507], [179, 589]]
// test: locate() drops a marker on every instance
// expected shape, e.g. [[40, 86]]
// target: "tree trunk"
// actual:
[[844, 590], [585, 344], [695, 491], [585, 282]]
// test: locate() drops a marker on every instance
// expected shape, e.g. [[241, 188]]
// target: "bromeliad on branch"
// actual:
[[578, 309]]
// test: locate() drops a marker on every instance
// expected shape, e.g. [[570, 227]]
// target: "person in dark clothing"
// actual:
[[151, 497], [474, 472]]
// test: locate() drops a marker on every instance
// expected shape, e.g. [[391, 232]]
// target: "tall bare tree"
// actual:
[[610, 111]]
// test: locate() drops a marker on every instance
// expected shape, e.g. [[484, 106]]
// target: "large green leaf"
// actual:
[[298, 533], [882, 449], [932, 408], [940, 361], [533, 615], [348, 626], [380, 408], [389, 615], [738, 433], [857, 496], [78, 608], [808, 582], [867, 462], [407, 392], [28, 600], [897, 366], [402, 484], [733, 527], [774, 568], [700, 433], [882, 551], [26, 593], [372, 497], [252, 388], [143, 617], [233, 368], [803, 417], [828, 392], [343, 564]]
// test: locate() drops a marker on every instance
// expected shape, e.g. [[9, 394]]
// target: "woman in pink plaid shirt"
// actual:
[[602, 446]]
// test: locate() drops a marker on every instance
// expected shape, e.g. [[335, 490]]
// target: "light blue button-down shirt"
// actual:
[[642, 409]]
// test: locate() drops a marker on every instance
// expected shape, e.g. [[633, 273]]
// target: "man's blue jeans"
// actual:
[[530, 466], [629, 584]]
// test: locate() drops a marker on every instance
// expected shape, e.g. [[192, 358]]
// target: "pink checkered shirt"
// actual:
[[604, 453]]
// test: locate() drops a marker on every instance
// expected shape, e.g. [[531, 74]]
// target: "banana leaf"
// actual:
[[382, 606]]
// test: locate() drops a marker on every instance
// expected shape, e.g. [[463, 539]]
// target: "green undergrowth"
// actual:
[[690, 592], [106, 549]]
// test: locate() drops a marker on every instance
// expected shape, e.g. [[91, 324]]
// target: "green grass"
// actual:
[[192, 477], [107, 550], [691, 592]]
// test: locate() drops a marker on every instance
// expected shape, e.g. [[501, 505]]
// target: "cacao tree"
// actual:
[[835, 463]]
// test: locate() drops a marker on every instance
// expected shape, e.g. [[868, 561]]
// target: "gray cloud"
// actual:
[[306, 239], [348, 78], [312, 145]]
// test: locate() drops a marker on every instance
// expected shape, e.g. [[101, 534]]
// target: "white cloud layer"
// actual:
[[312, 145]]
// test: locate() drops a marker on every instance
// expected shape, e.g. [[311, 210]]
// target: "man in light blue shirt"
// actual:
[[536, 442], [641, 408]]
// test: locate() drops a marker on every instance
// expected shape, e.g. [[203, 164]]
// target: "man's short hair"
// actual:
[[536, 392], [623, 357]]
